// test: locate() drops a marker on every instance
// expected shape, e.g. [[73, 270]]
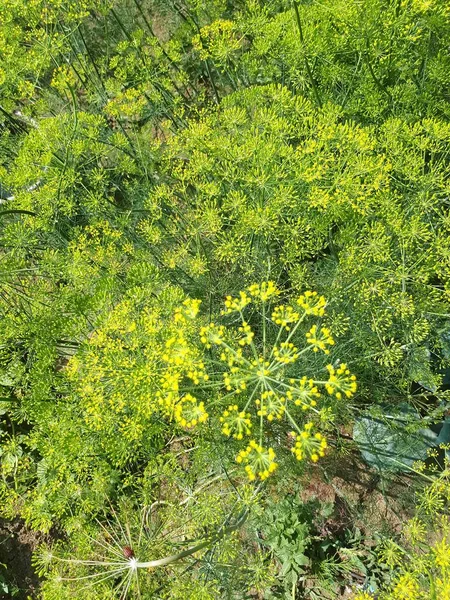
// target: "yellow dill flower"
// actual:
[[236, 304], [188, 412], [406, 588], [284, 315], [415, 531], [197, 373], [188, 310], [219, 41], [247, 334], [307, 444], [391, 554], [319, 340], [432, 500], [443, 588], [441, 551], [312, 303], [259, 462], [270, 405], [303, 393], [177, 351], [264, 291], [212, 335], [286, 353], [235, 422], [340, 381], [257, 374]]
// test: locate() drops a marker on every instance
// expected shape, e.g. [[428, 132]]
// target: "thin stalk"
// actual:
[[208, 70], [296, 326], [170, 61], [189, 551], [264, 328], [288, 387], [307, 65], [280, 331], [91, 58], [255, 389], [376, 80], [252, 345], [292, 420], [201, 488]]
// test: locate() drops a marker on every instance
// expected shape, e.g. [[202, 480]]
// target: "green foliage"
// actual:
[[317, 554], [419, 560], [5, 587]]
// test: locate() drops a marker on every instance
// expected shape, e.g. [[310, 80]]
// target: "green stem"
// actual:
[[291, 419], [233, 351], [152, 564], [296, 326], [264, 328], [307, 65], [252, 345], [280, 331], [255, 389]]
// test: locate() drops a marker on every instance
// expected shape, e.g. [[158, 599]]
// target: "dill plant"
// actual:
[[147, 544], [268, 183], [143, 365], [262, 384], [123, 398]]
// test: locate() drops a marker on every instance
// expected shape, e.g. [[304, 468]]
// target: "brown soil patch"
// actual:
[[17, 544], [376, 505]]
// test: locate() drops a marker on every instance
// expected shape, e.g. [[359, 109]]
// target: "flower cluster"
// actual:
[[236, 304], [141, 362], [340, 381], [257, 378], [264, 291], [212, 334], [420, 559], [259, 462], [307, 444], [258, 291], [235, 422], [320, 339], [285, 316], [312, 303], [188, 412], [286, 353], [188, 310], [247, 334], [303, 392], [262, 378], [270, 405], [253, 378], [219, 41]]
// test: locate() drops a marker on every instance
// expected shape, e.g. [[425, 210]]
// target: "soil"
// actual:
[[362, 500], [17, 544], [374, 504]]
